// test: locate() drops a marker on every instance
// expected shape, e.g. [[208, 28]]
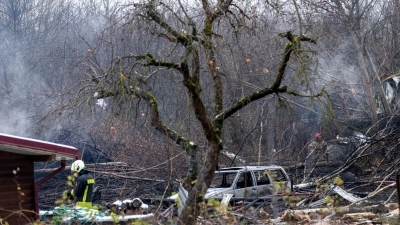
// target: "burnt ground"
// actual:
[[264, 211]]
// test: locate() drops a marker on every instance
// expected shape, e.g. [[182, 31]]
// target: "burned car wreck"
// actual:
[[249, 182], [239, 183]]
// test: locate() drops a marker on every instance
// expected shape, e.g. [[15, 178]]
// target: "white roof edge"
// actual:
[[37, 140]]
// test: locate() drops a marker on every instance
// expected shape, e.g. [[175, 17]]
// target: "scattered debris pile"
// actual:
[[310, 204], [377, 214], [333, 205], [324, 197], [127, 207]]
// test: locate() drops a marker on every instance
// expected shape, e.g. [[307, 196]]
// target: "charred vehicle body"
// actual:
[[249, 182]]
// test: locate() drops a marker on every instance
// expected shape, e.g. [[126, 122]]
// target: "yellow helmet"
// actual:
[[77, 166]]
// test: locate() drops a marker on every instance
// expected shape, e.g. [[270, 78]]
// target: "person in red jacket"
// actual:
[[317, 148], [316, 152]]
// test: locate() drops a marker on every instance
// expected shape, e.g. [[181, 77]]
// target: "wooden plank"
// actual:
[[13, 187], [20, 180], [25, 168], [356, 216], [13, 164], [14, 203], [21, 164], [9, 157], [14, 194], [40, 158], [12, 207]]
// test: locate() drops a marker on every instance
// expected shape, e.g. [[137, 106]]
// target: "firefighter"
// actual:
[[316, 150], [84, 185]]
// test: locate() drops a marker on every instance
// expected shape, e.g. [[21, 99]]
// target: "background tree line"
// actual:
[[173, 84]]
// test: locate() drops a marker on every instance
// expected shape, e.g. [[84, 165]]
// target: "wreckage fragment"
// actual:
[[308, 202], [348, 196]]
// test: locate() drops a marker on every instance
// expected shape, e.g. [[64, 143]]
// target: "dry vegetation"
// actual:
[[167, 90]]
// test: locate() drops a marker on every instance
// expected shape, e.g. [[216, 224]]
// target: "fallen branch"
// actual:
[[87, 165], [372, 194], [128, 177]]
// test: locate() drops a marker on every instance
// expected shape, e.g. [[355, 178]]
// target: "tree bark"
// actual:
[[368, 84]]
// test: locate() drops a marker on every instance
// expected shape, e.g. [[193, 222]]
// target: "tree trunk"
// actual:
[[368, 85], [271, 130], [192, 208], [381, 90]]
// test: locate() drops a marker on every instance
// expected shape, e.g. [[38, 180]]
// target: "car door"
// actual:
[[264, 184], [221, 184], [280, 181], [245, 186]]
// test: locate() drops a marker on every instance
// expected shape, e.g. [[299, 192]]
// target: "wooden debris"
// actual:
[[162, 217], [291, 216], [358, 216], [133, 207], [116, 207], [168, 213], [264, 215], [126, 207], [320, 210]]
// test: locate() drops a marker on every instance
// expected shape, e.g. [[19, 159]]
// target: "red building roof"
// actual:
[[19, 152], [34, 147]]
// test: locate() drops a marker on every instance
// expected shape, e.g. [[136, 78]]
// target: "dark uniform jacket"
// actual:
[[317, 145], [317, 149], [84, 186]]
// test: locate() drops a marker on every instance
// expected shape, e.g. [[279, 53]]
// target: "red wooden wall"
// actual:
[[16, 206]]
